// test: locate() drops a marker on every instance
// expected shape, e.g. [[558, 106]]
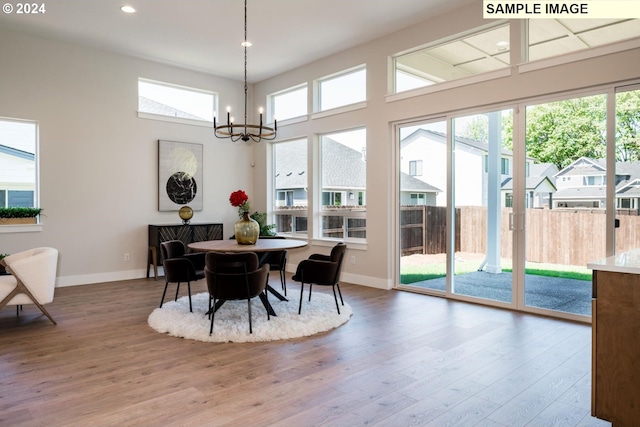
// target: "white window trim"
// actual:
[[450, 84], [160, 117], [28, 228]]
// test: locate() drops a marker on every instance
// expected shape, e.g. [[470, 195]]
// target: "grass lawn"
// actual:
[[418, 273]]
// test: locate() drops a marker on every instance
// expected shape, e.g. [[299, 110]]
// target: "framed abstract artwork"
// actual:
[[179, 175]]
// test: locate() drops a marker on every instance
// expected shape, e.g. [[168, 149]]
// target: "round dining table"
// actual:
[[261, 247]]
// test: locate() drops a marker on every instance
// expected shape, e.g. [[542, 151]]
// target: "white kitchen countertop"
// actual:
[[626, 262]]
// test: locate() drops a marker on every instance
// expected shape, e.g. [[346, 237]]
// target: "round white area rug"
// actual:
[[232, 319]]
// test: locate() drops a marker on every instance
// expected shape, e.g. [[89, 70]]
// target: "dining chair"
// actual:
[[180, 267], [235, 276], [323, 270]]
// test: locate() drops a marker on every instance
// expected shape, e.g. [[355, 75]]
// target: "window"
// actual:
[[343, 185], [594, 180], [553, 37], [508, 200], [164, 101], [418, 199], [415, 168], [504, 166], [289, 103], [18, 155], [477, 53], [290, 182], [343, 89]]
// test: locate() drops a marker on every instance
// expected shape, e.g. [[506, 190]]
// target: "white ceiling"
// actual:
[[205, 35]]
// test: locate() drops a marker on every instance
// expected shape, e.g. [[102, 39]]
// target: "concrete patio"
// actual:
[[567, 295]]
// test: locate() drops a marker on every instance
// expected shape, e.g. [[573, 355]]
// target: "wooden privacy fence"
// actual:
[[424, 230], [569, 237]]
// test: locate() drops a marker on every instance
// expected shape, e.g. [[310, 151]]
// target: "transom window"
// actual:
[[289, 103], [476, 53], [343, 89], [165, 101], [553, 37]]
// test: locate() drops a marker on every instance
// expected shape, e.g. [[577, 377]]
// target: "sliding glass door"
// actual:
[[508, 206], [423, 205], [483, 169]]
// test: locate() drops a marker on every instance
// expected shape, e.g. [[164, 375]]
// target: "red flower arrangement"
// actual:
[[240, 200]]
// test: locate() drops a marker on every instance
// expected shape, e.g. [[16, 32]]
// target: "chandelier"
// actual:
[[244, 131]]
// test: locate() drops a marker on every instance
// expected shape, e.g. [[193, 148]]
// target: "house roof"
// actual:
[[154, 107], [442, 138], [531, 183], [627, 179], [17, 153], [343, 167]]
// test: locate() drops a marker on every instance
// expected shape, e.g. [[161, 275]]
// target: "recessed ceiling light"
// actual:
[[502, 46], [128, 9]]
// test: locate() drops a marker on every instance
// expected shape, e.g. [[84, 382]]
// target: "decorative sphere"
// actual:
[[185, 213]]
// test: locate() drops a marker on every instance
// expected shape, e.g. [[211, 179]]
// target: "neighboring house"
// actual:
[[582, 184], [17, 172], [539, 187], [423, 154], [343, 178]]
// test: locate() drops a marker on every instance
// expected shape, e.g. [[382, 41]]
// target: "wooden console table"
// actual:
[[187, 233], [615, 376]]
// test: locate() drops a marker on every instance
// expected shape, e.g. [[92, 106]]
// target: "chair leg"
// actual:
[[22, 289], [283, 281], [213, 315], [339, 293], [177, 289], [249, 309], [166, 284], [189, 289], [310, 287], [336, 299], [301, 292]]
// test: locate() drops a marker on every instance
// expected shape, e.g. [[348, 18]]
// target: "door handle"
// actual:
[[511, 221]]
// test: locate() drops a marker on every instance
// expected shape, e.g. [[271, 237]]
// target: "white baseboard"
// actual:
[[88, 279]]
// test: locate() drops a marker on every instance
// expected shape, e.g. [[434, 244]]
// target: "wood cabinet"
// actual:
[[187, 233], [615, 388]]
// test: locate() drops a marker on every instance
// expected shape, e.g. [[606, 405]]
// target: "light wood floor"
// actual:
[[402, 360]]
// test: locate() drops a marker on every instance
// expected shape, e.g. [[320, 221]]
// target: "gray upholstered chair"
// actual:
[[32, 279]]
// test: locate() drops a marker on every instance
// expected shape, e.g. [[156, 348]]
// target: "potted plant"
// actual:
[[17, 215], [265, 229]]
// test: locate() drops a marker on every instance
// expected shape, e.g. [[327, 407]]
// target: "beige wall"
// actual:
[[99, 161]]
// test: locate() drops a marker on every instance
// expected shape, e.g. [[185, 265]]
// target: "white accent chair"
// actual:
[[32, 279]]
